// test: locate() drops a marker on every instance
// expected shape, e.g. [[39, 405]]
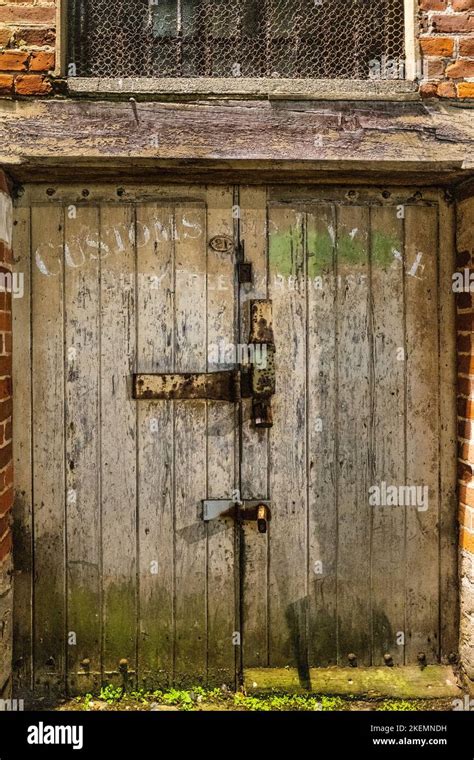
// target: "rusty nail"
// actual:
[[386, 194], [50, 191]]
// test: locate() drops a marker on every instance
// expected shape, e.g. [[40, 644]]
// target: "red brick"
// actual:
[[36, 37], [465, 429], [463, 300], [5, 321], [428, 90], [32, 84], [40, 61], [6, 84], [465, 386], [5, 365], [27, 14], [7, 343], [433, 5], [5, 301], [6, 454], [464, 472], [447, 90], [5, 409], [437, 46], [433, 68], [465, 89], [465, 410], [463, 5], [463, 344], [6, 501], [464, 322], [5, 35], [5, 545], [5, 389], [466, 47], [13, 60], [461, 22], [460, 69], [5, 522], [7, 476]]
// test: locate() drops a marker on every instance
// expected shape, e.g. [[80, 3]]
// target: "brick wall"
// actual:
[[27, 46], [6, 467], [465, 313], [447, 48]]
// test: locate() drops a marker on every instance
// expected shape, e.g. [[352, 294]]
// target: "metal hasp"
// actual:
[[248, 509], [215, 386], [256, 381], [263, 383]]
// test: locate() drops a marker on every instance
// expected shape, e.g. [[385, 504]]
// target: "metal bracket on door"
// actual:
[[257, 381], [248, 509]]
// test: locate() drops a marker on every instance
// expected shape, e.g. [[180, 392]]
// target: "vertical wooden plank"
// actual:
[[155, 448], [22, 458], [48, 449], [254, 464], [118, 445], [82, 303], [222, 433], [322, 466], [190, 424], [353, 423], [388, 442], [449, 599], [288, 530], [421, 244]]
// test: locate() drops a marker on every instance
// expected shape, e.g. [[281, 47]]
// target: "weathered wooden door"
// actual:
[[117, 575]]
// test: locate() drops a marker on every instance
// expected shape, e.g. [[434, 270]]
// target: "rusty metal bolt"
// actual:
[[388, 659], [421, 658], [85, 663], [50, 191], [85, 193], [352, 660], [123, 664], [386, 194]]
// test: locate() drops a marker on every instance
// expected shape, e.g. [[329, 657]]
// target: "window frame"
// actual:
[[243, 86]]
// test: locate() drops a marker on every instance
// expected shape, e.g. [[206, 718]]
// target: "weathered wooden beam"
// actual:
[[74, 138]]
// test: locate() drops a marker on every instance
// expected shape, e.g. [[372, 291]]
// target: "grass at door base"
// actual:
[[403, 682]]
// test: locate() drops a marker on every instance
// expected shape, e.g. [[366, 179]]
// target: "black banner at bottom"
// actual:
[[121, 734]]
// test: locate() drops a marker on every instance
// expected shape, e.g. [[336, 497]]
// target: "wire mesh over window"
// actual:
[[347, 39]]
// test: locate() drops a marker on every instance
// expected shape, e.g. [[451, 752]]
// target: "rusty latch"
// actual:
[[215, 386], [248, 509]]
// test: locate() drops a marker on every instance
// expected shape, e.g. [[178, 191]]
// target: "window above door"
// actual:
[[239, 39]]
